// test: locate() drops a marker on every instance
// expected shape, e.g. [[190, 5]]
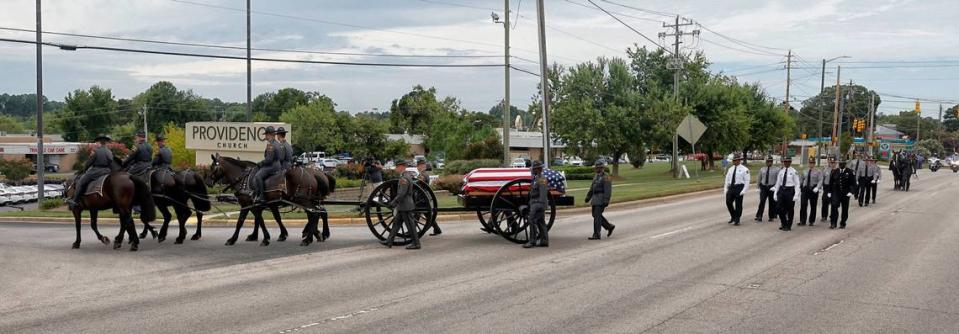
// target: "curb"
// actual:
[[465, 216]]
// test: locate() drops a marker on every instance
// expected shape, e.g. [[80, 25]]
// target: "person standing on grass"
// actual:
[[599, 194], [735, 187]]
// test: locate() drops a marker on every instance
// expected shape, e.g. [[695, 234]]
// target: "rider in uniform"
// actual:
[[286, 158], [424, 179], [99, 164], [164, 156], [141, 158], [268, 166], [598, 196], [404, 206], [538, 200]]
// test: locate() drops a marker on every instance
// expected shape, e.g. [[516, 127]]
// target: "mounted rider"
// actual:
[[139, 161], [99, 164], [268, 166], [164, 156], [286, 158]]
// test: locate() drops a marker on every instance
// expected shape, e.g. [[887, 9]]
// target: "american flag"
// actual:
[[491, 179]]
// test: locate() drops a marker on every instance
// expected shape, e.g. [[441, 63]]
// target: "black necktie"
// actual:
[[808, 177], [766, 181], [785, 172], [732, 180]]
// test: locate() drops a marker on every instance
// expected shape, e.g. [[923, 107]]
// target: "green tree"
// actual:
[[496, 112], [86, 114], [950, 122], [768, 123], [413, 113], [368, 136], [854, 99], [274, 104], [15, 170], [25, 105], [396, 149], [9, 124], [932, 146], [166, 104], [176, 141], [314, 126]]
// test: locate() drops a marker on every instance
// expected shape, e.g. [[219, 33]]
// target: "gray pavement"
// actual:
[[669, 268]]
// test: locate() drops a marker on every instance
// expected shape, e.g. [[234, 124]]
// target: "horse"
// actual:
[[176, 189], [304, 189], [906, 170], [119, 192], [894, 167]]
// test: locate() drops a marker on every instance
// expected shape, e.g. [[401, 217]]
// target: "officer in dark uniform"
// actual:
[[424, 179], [827, 187], [404, 206], [864, 178], [268, 166], [286, 159], [767, 179], [538, 200], [164, 156], [99, 164], [811, 181], [598, 196], [786, 194], [141, 158], [843, 183]]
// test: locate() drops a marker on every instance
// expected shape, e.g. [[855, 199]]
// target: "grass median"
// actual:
[[651, 181]]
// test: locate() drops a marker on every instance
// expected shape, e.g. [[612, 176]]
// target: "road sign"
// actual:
[[691, 129], [884, 147]]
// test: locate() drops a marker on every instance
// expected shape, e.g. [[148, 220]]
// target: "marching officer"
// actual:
[[811, 182], [538, 200], [598, 196], [767, 179], [424, 179], [859, 170], [164, 157], [876, 176], [826, 188], [843, 183], [736, 185], [785, 194], [865, 181], [286, 158], [99, 164], [268, 166], [141, 158], [404, 206]]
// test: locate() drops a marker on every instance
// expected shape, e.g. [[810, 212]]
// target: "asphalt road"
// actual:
[[669, 268]]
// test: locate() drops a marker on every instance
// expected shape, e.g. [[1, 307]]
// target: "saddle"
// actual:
[[96, 187], [275, 182]]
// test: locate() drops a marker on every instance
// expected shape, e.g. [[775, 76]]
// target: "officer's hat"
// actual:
[[536, 164], [280, 131], [787, 159], [141, 133], [769, 158], [737, 156], [102, 137], [161, 136], [842, 162], [401, 162], [269, 130], [832, 159], [599, 163]]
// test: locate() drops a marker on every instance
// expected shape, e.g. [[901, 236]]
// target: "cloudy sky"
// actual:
[[906, 48]]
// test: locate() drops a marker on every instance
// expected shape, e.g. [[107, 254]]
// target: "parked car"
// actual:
[[52, 168], [439, 164], [519, 163], [308, 157], [328, 163], [559, 162], [5, 197], [662, 157], [575, 161], [29, 193]]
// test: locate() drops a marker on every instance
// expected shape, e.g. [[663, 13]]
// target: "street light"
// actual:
[[822, 87], [507, 105]]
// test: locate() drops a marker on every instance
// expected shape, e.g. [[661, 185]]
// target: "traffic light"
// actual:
[[918, 107]]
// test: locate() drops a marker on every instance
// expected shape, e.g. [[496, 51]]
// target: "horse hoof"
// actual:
[[265, 243], [179, 241], [160, 240], [117, 245], [76, 245], [195, 237], [135, 247], [143, 235], [252, 238], [105, 240], [282, 238], [305, 243]]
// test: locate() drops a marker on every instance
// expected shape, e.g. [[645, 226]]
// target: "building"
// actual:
[[414, 141], [529, 144], [58, 155], [888, 131]]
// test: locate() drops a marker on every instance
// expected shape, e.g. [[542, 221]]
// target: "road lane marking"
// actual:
[[663, 235], [830, 247]]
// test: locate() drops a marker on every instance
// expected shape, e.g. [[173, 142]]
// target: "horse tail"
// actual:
[[143, 197], [325, 184], [332, 181], [197, 189]]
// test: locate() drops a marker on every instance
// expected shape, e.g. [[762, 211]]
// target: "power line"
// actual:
[[650, 11], [216, 46], [741, 50], [200, 55], [524, 71], [631, 28], [456, 4], [617, 13]]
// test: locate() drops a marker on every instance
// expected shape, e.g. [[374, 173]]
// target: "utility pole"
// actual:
[[544, 78], [789, 58], [822, 105], [146, 130], [872, 120], [835, 113], [249, 68], [918, 123], [506, 102], [676, 64], [40, 163], [939, 131]]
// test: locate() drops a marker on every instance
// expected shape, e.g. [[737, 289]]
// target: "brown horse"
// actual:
[[304, 189], [177, 189], [119, 193]]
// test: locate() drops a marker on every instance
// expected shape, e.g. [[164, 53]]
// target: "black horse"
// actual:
[[177, 190], [906, 163], [304, 189]]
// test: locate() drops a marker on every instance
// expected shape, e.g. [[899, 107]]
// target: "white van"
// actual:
[[309, 157]]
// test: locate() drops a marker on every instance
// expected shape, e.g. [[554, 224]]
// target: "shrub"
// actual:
[[489, 148], [119, 150], [466, 166], [51, 203], [347, 183], [451, 183], [15, 170], [349, 172]]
